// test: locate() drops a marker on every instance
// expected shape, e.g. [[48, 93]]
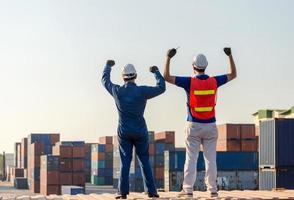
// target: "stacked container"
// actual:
[[276, 154], [237, 137], [164, 141], [38, 145], [88, 161], [236, 170], [102, 161], [50, 175], [72, 163], [17, 154], [24, 153]]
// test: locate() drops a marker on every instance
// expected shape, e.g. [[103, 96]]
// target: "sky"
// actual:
[[52, 53]]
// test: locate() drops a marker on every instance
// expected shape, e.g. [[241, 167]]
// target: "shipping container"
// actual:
[[72, 190], [24, 153], [21, 183], [270, 179], [105, 140], [166, 137], [226, 161], [50, 189], [276, 143]]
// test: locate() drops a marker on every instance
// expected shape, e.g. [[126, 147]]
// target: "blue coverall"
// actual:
[[130, 101]]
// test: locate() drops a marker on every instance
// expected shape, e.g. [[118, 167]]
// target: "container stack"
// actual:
[[17, 154], [164, 141], [236, 170], [88, 160], [16, 173], [38, 145], [49, 178], [116, 162], [276, 154], [237, 137], [102, 162], [72, 163], [24, 153]]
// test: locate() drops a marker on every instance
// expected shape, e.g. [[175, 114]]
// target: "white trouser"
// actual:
[[197, 134]]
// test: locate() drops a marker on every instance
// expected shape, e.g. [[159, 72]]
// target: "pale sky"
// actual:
[[52, 54]]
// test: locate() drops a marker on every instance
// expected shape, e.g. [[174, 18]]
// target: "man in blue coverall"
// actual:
[[130, 101]]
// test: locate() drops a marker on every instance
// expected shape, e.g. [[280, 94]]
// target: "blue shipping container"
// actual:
[[225, 161]]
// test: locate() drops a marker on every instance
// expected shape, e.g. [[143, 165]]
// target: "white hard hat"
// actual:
[[129, 71], [200, 61]]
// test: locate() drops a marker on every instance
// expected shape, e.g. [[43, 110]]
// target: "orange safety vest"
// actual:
[[203, 97]]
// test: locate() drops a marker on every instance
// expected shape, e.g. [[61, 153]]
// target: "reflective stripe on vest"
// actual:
[[204, 92], [203, 109]]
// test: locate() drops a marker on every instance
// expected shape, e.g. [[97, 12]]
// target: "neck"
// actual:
[[130, 81]]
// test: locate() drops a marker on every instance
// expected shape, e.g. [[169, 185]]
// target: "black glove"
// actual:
[[228, 51], [153, 69], [110, 63], [171, 52]]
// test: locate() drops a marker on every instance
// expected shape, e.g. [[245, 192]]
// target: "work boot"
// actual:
[[184, 194], [153, 195], [213, 194], [120, 196]]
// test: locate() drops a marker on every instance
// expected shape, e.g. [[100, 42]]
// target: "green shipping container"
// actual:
[[96, 180]]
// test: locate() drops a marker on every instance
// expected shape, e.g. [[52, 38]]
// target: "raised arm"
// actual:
[[166, 73], [233, 72], [150, 92], [106, 82]]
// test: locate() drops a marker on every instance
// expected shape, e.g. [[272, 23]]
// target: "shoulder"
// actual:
[[183, 82], [221, 79]]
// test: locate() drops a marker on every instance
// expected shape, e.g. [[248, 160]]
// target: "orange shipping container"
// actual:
[[166, 136], [78, 164], [229, 131], [228, 145], [78, 178], [108, 148], [247, 131], [152, 149], [49, 177], [159, 173], [50, 189], [98, 156], [78, 152], [62, 151], [105, 140], [249, 145], [65, 178], [54, 137]]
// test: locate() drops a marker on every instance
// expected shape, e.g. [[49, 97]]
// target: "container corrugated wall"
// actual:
[[276, 178], [276, 143]]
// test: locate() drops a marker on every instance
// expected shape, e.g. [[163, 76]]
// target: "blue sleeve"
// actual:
[[221, 80], [183, 82], [150, 92], [106, 82]]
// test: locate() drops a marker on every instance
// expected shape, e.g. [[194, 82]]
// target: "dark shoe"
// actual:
[[121, 196], [184, 194], [153, 195], [213, 194]]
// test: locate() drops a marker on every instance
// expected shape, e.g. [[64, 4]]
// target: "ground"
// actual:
[[7, 192]]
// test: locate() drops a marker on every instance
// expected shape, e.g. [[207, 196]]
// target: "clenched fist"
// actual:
[[153, 69], [171, 52], [228, 51], [110, 63]]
